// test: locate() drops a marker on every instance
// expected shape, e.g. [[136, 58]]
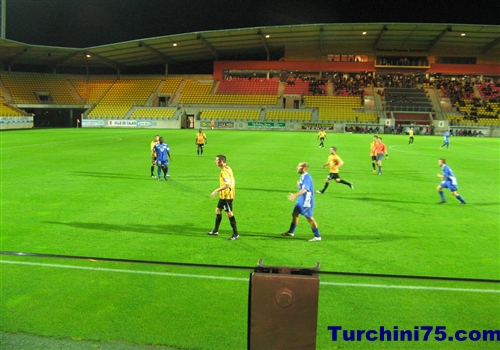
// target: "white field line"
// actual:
[[169, 274]]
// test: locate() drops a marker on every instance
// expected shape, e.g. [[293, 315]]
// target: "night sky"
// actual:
[[86, 23]]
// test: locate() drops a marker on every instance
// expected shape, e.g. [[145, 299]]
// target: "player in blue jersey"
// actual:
[[449, 181], [446, 140], [305, 203], [162, 151]]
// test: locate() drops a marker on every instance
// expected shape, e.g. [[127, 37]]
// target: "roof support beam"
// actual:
[[65, 59], [164, 58], [264, 42], [321, 30], [380, 34], [439, 37], [491, 45], [12, 61], [209, 46], [107, 61]]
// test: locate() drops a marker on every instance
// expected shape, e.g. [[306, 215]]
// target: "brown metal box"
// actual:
[[283, 311]]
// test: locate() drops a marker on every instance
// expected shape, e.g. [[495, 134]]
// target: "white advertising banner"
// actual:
[[123, 123]]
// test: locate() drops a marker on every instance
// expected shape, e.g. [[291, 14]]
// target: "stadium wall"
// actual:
[[13, 123]]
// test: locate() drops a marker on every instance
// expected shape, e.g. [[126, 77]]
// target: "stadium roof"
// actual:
[[220, 44]]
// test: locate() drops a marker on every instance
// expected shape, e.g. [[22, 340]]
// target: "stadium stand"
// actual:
[[7, 111], [489, 90], [93, 90], [285, 115], [340, 109], [253, 86], [407, 99], [225, 114], [170, 86], [124, 94], [36, 89], [305, 87], [199, 93], [153, 113]]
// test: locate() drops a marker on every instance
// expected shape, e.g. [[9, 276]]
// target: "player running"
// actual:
[[446, 140], [335, 162], [201, 140], [162, 151], [449, 181]]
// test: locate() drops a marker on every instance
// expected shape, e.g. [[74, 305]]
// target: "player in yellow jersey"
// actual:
[[410, 132], [321, 138], [226, 196], [153, 154], [201, 140], [373, 153], [334, 162]]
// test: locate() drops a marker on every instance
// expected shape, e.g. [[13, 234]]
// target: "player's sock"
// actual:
[[326, 186], [345, 182], [441, 193], [198, 151], [152, 169], [159, 172], [380, 169], [373, 165], [165, 171], [232, 221], [459, 197], [218, 219], [316, 232], [292, 228]]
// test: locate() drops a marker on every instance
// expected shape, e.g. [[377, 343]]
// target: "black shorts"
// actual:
[[200, 145], [332, 176], [374, 157], [226, 204]]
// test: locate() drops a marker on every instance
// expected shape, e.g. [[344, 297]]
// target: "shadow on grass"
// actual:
[[483, 204], [263, 190], [111, 175], [181, 230], [373, 238], [378, 199], [177, 230]]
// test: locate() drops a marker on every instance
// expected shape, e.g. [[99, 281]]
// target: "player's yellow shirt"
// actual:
[[372, 148], [334, 161], [200, 138], [411, 132], [153, 143], [322, 134], [226, 177]]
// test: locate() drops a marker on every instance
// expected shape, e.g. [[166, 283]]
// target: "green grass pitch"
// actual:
[[88, 192]]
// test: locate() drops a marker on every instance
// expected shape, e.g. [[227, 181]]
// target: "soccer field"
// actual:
[[88, 192]]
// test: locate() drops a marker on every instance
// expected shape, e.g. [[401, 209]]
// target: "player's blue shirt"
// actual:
[[449, 176], [446, 136], [161, 150], [306, 200]]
